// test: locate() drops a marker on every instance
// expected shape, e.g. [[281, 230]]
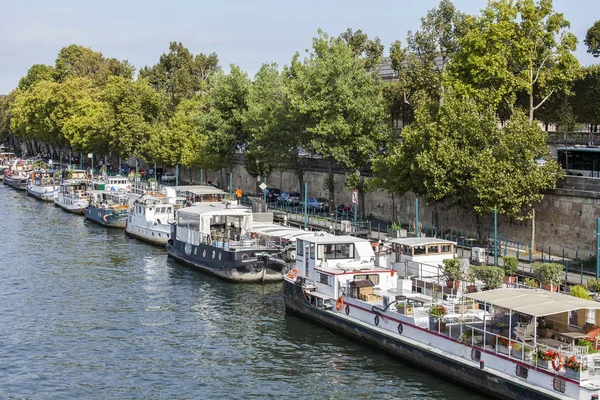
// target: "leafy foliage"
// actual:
[[548, 273], [490, 276], [581, 292], [592, 39]]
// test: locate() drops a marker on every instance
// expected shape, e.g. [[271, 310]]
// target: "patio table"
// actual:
[[569, 337]]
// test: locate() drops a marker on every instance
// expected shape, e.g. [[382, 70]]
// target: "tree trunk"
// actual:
[[532, 229], [478, 222], [331, 186], [394, 214], [436, 215], [300, 173], [531, 106]]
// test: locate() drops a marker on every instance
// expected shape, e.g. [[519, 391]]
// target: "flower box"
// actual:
[[546, 364], [577, 375], [502, 350]]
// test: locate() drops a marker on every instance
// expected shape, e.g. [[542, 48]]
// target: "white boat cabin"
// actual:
[[419, 256], [113, 183], [332, 263]]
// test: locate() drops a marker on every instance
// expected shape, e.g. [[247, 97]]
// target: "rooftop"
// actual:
[[322, 238], [200, 190], [537, 303], [420, 241]]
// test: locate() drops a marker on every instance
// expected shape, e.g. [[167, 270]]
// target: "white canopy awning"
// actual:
[[536, 302]]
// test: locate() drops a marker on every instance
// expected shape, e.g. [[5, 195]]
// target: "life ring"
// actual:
[[339, 303], [293, 273], [105, 218], [557, 357]]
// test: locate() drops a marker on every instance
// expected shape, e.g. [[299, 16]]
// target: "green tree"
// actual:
[[6, 102], [592, 39], [38, 72], [459, 154], [181, 74], [228, 99], [369, 49], [343, 105], [421, 64], [586, 99], [538, 62]]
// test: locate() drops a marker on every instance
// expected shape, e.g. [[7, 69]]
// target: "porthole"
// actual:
[[220, 256], [475, 355], [521, 371], [559, 385]]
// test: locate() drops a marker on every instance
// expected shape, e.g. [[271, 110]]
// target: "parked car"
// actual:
[[125, 169], [318, 204], [289, 198], [168, 177], [272, 194], [150, 173], [345, 210]]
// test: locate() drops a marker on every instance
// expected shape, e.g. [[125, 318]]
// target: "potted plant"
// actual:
[[532, 283], [490, 276], [581, 292], [575, 370], [452, 271], [405, 308], [549, 275], [471, 287], [502, 345], [545, 357], [511, 265], [469, 336], [436, 313]]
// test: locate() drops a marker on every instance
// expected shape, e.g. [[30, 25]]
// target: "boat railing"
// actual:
[[569, 361]]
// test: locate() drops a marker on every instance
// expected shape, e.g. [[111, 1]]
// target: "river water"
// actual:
[[87, 312]]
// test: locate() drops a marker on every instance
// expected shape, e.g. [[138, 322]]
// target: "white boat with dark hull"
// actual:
[[336, 284], [42, 185], [150, 216], [18, 174], [108, 208], [216, 238], [72, 193]]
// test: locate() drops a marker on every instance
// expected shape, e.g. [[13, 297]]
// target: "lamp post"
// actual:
[[91, 157]]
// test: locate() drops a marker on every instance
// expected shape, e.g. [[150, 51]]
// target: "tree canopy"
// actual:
[[592, 39]]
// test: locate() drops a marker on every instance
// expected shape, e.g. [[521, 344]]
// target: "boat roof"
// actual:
[[284, 232], [199, 189], [320, 238], [534, 302], [420, 241], [213, 208]]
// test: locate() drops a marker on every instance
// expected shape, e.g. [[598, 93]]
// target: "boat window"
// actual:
[[521, 371], [299, 247], [559, 385], [433, 249], [418, 250], [345, 250], [312, 251], [406, 250], [446, 248], [475, 355], [320, 252], [324, 278]]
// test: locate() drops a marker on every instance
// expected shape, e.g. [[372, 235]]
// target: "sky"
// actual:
[[246, 33]]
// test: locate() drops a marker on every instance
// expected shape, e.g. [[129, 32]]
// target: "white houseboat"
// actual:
[[487, 341], [42, 185], [72, 193], [150, 216]]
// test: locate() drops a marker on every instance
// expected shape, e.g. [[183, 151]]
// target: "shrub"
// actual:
[[531, 283], [452, 270], [437, 311], [511, 265], [579, 291], [594, 285], [549, 273], [490, 276]]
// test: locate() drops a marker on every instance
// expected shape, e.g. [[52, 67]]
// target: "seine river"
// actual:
[[89, 313]]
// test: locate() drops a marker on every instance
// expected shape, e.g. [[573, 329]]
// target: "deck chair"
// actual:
[[524, 332]]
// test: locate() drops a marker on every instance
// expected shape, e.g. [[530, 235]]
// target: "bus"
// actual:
[[580, 161]]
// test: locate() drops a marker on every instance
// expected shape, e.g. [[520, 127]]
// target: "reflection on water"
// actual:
[[90, 313]]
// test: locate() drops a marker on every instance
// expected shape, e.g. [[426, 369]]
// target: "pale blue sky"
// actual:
[[247, 33]]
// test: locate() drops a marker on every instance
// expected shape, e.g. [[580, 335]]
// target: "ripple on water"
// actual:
[[87, 312]]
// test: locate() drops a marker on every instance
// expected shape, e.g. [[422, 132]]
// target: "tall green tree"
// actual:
[[181, 74], [343, 104], [38, 72], [538, 62], [586, 99], [592, 39], [459, 154], [421, 64], [228, 99]]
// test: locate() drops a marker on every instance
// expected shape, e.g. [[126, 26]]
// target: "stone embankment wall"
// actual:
[[566, 218]]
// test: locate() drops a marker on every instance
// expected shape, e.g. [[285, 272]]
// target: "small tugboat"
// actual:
[[487, 341], [108, 208], [72, 194], [150, 215], [42, 185], [217, 238]]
